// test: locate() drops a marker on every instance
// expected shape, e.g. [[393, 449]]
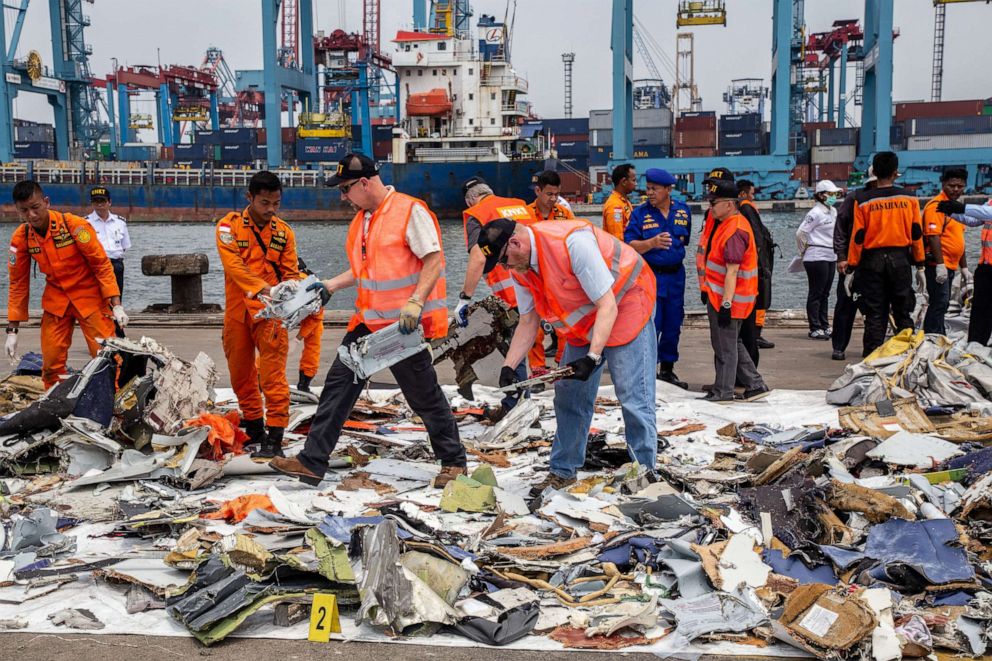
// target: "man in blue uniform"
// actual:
[[659, 230]]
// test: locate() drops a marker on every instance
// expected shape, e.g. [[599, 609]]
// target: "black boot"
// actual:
[[666, 372], [271, 446], [256, 432], [304, 385]]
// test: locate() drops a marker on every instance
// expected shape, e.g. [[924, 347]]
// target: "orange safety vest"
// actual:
[[985, 257], [560, 299], [704, 239], [75, 265], [488, 209], [746, 291], [250, 266], [386, 270]]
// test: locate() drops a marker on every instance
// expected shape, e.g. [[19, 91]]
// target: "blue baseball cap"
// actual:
[[660, 177]]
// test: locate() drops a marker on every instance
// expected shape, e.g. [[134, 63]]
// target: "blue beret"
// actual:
[[660, 177]]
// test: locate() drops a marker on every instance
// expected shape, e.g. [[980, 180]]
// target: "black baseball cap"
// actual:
[[99, 192], [721, 174], [721, 189], [473, 181], [493, 239], [353, 166]]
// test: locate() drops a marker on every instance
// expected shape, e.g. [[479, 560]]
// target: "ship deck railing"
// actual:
[[453, 153], [516, 82]]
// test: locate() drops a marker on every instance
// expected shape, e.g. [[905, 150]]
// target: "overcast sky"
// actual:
[[179, 31]]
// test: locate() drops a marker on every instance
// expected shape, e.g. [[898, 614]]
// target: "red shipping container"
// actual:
[[695, 152], [382, 149], [572, 185], [810, 127], [695, 138], [801, 174], [906, 111], [707, 123], [168, 154], [571, 137], [831, 171]]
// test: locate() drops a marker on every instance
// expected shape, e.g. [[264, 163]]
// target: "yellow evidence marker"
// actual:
[[324, 618]]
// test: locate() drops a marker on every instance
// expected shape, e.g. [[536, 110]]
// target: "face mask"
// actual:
[[830, 200]]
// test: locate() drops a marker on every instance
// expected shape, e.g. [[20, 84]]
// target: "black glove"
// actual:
[[325, 295], [507, 377], [703, 298], [723, 317], [582, 368], [950, 207]]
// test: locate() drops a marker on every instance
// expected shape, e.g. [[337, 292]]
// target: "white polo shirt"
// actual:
[[112, 234]]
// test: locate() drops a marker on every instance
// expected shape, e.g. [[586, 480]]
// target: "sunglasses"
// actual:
[[344, 188]]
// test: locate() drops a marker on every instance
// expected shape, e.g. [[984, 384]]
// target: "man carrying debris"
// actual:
[[79, 280], [258, 251], [886, 243], [599, 292], [731, 288], [397, 265], [977, 215]]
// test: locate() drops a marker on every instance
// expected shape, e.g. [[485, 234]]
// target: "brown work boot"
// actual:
[[293, 467], [556, 482], [447, 474]]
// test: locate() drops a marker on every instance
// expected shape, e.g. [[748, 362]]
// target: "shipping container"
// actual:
[[382, 149], [652, 118], [950, 125], [742, 140], [736, 123], [897, 135], [602, 154], [652, 136], [919, 109], [695, 152], [34, 150], [812, 127], [288, 134], [831, 171], [833, 154], [694, 122], [187, 152], [970, 141], [207, 137], [802, 156], [137, 151], [190, 165], [580, 163], [753, 151], [318, 150], [698, 113], [34, 133], [686, 138], [239, 136], [237, 153], [600, 137], [570, 125], [834, 137], [289, 151], [800, 173], [600, 119], [571, 149]]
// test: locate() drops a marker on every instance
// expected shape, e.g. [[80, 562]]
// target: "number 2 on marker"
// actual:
[[324, 619]]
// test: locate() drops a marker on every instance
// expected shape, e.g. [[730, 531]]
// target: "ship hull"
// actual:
[[438, 184]]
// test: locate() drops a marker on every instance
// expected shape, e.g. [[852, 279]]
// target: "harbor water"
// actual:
[[322, 247]]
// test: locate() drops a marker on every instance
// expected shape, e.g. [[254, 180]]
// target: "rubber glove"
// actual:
[[921, 281], [849, 284], [950, 207], [941, 274], [582, 368], [10, 346], [410, 316], [325, 293], [120, 316], [507, 377]]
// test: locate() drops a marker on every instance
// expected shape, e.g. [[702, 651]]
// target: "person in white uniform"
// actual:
[[111, 229], [815, 240]]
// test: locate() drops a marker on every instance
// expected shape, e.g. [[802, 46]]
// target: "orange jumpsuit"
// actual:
[[311, 330], [78, 281], [248, 268]]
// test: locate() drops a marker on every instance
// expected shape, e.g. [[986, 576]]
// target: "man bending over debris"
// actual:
[[601, 296], [394, 247], [258, 251]]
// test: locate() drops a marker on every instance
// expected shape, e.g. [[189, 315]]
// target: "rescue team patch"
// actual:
[[63, 239], [34, 250], [242, 244], [82, 234], [226, 238], [13, 258]]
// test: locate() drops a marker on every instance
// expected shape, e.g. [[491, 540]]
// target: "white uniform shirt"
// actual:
[[817, 232], [421, 234], [112, 234]]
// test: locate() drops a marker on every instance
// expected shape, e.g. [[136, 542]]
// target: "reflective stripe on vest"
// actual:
[[986, 255], [393, 315]]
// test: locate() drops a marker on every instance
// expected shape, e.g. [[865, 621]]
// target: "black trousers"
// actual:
[[749, 336], [980, 325], [418, 381], [884, 280], [821, 279], [118, 265], [845, 311]]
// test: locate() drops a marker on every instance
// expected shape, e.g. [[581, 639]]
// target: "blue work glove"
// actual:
[[325, 295], [461, 310], [410, 316]]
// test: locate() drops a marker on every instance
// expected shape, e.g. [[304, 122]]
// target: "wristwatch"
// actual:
[[596, 358], [12, 330], [463, 296], [726, 305]]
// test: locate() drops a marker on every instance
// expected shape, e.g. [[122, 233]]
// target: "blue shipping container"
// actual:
[[207, 137], [34, 150], [571, 149], [322, 149], [241, 136], [741, 140], [195, 164], [186, 152], [137, 153], [951, 125], [744, 122], [242, 153], [580, 163], [755, 151], [568, 126], [601, 155]]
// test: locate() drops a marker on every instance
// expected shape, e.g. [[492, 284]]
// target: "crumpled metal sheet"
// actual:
[[478, 350], [513, 429], [928, 548], [291, 302], [392, 595], [380, 350], [715, 612], [37, 532]]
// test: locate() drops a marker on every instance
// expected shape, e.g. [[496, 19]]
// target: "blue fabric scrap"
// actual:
[[841, 557], [928, 547], [794, 567], [636, 550]]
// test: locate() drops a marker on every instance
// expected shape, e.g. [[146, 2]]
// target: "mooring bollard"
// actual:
[[186, 272]]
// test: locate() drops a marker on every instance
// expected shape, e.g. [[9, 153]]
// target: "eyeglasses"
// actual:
[[344, 188]]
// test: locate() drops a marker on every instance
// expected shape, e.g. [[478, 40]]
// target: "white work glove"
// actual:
[[921, 281], [284, 290], [120, 316], [10, 346], [965, 277], [461, 312], [848, 284], [941, 274]]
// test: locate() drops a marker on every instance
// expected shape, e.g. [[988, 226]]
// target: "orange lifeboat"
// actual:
[[430, 104]]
